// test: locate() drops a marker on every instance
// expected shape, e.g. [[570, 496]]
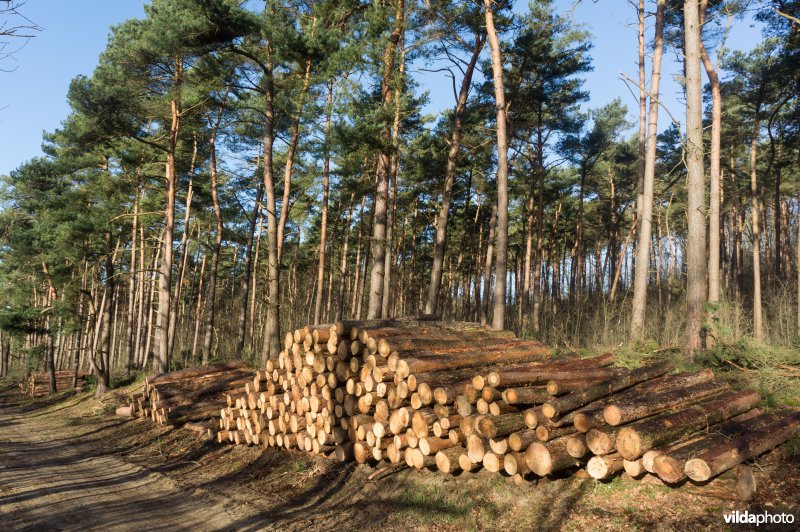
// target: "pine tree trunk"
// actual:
[[163, 355], [395, 172], [642, 111], [344, 261], [487, 269], [499, 313], [271, 346], [696, 264], [358, 280], [375, 296], [449, 178], [537, 265], [246, 282], [323, 232], [208, 336], [714, 183], [290, 155], [758, 325], [646, 206], [129, 334]]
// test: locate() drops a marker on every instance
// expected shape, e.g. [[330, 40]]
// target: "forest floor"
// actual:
[[67, 463]]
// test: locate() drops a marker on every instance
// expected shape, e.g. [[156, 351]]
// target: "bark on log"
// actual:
[[619, 413], [560, 406], [634, 440], [720, 458]]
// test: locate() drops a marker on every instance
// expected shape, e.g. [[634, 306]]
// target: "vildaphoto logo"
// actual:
[[763, 518]]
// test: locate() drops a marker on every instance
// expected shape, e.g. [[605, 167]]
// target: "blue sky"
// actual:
[[33, 95]]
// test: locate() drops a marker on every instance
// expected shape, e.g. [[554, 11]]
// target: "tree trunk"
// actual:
[[714, 184], [131, 322], [643, 107], [323, 232], [344, 261], [487, 269], [646, 199], [104, 351], [375, 296], [272, 345], [290, 155], [499, 313], [395, 172], [696, 264], [247, 279], [449, 178], [208, 336], [758, 325]]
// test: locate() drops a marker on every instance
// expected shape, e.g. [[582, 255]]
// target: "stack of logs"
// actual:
[[38, 384], [193, 395], [460, 397]]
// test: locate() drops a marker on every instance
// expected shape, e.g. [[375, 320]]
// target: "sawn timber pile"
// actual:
[[193, 395], [38, 384], [460, 397]]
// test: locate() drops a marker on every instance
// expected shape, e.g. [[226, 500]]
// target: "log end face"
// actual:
[[538, 459], [549, 410], [668, 469], [697, 470], [612, 415], [597, 468], [576, 447], [628, 444]]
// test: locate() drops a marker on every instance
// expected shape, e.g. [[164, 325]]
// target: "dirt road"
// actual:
[[51, 480]]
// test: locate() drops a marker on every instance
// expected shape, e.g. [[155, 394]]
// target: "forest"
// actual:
[[232, 169]]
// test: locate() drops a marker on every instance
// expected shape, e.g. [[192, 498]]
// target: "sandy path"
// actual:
[[53, 479]]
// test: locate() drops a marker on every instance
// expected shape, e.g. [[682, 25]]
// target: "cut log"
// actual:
[[591, 416], [669, 463], [737, 484], [624, 412], [189, 373], [447, 459], [576, 446], [603, 467], [546, 458], [720, 458], [495, 377], [638, 438], [560, 406], [499, 426], [514, 464], [519, 441], [526, 396]]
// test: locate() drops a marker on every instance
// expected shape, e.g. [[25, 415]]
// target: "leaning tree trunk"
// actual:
[[449, 177], [499, 314], [696, 239], [375, 296], [646, 209]]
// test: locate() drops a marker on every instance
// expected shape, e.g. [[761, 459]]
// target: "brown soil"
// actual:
[[66, 464]]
